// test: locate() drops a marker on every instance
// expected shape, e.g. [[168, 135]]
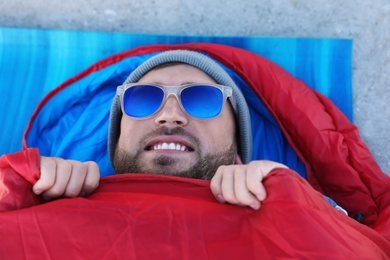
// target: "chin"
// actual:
[[169, 170]]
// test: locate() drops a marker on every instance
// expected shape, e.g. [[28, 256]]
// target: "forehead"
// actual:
[[176, 74]]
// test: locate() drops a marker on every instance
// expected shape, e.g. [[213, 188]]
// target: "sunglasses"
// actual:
[[142, 100]]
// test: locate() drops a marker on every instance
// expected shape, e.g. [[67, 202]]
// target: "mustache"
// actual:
[[163, 130]]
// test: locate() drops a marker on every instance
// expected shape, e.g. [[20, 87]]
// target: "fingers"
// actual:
[[216, 183], [91, 181], [243, 193], [229, 184], [75, 181], [257, 172], [66, 178], [84, 179], [242, 184], [53, 171]]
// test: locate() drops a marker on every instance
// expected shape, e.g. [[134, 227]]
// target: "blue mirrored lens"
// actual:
[[202, 101], [142, 100]]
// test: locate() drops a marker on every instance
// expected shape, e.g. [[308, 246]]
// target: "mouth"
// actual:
[[169, 146]]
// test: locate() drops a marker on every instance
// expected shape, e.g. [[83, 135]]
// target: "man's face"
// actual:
[[172, 142]]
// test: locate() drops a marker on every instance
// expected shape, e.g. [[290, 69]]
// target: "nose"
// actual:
[[171, 113]]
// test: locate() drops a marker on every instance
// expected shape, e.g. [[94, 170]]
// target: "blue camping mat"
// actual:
[[35, 61]]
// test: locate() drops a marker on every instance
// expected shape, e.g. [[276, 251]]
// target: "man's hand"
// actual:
[[66, 178], [241, 184]]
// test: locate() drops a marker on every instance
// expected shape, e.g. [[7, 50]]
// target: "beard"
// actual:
[[204, 167]]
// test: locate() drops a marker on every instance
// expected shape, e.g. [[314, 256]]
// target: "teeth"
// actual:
[[170, 146]]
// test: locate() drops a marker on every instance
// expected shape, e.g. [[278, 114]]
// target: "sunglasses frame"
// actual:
[[227, 93]]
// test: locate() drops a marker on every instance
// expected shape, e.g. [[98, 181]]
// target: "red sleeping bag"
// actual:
[[135, 216]]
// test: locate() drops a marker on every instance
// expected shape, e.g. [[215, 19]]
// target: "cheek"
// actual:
[[219, 134], [226, 124], [129, 133], [226, 133]]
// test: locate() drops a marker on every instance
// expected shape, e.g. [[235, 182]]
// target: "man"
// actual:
[[170, 138], [182, 126]]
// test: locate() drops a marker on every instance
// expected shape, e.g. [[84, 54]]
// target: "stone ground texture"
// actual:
[[366, 22]]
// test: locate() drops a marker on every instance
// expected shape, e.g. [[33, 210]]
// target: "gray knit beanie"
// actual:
[[203, 63]]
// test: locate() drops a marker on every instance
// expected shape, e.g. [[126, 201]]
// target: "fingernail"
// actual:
[[37, 191], [255, 206], [220, 198], [261, 197]]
